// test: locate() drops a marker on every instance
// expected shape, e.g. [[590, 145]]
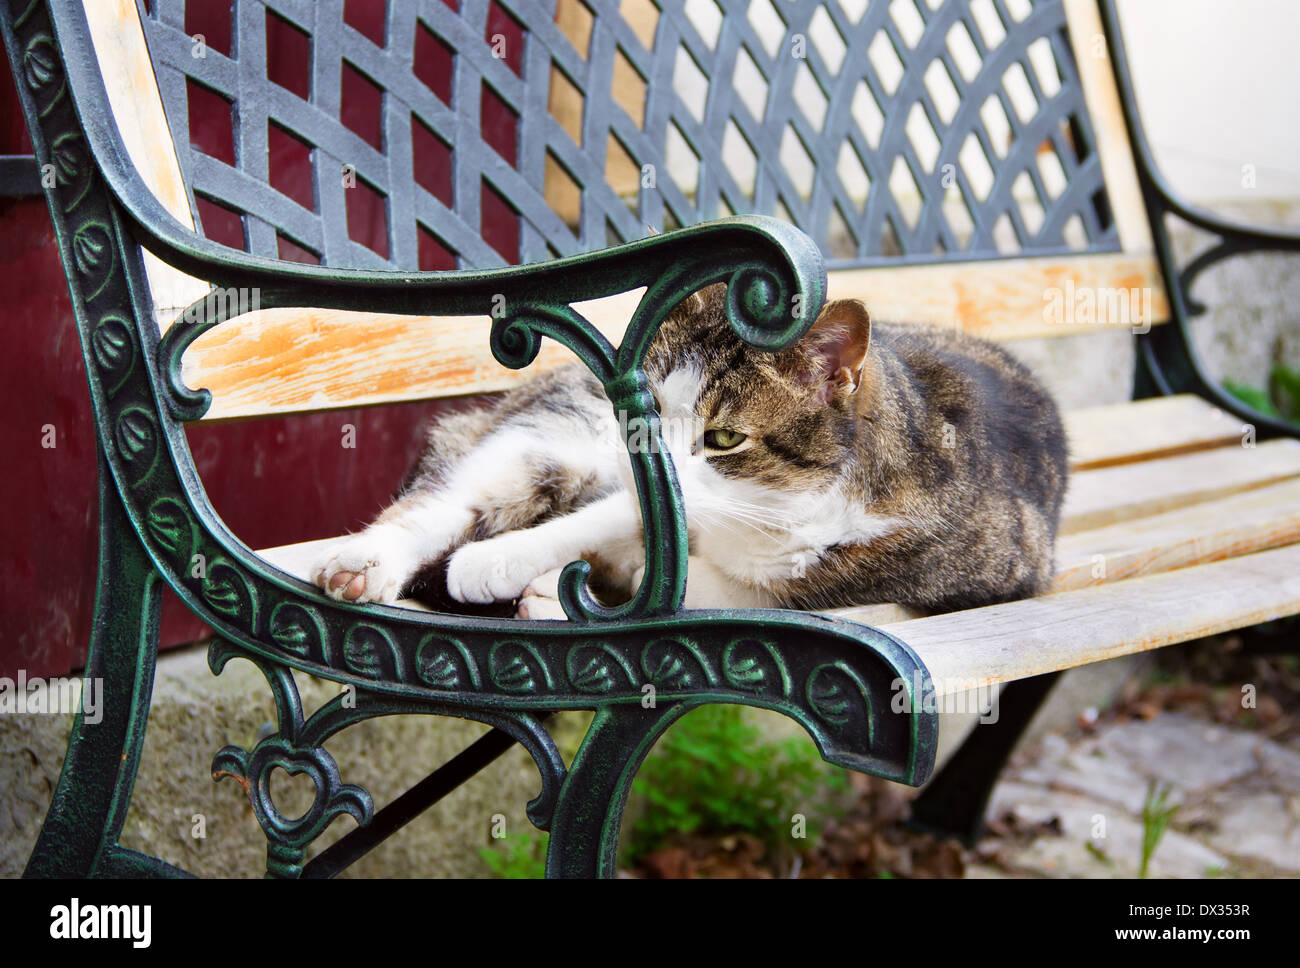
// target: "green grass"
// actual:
[[716, 772], [517, 855], [1155, 820]]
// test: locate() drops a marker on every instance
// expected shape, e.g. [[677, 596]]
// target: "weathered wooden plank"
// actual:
[[1013, 298], [123, 57], [881, 614], [1002, 643], [1096, 75], [1108, 495], [295, 360], [1120, 433], [1243, 523]]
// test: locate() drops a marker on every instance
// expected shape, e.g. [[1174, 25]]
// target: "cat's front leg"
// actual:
[[707, 586], [500, 568], [541, 598], [373, 565]]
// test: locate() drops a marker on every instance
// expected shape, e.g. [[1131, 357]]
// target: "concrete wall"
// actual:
[[1217, 84], [195, 714]]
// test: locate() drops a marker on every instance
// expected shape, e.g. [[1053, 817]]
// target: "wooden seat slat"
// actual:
[[1243, 523], [1108, 495], [277, 361], [1119, 433], [1002, 643]]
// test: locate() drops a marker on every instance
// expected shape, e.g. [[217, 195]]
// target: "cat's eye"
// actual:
[[723, 439]]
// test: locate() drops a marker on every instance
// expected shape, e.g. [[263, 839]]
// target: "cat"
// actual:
[[867, 463]]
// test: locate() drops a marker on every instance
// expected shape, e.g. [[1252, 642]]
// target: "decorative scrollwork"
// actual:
[[333, 797], [514, 342], [287, 837], [762, 309]]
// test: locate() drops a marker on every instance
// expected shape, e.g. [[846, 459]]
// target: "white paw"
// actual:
[[538, 607], [545, 585], [496, 570], [363, 569], [541, 598]]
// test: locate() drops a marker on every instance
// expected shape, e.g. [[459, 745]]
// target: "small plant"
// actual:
[[1155, 819], [517, 855], [714, 772], [1281, 398]]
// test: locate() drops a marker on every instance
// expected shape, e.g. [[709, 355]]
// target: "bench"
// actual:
[[975, 164]]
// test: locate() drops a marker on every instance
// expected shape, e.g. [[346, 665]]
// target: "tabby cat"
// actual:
[[867, 463]]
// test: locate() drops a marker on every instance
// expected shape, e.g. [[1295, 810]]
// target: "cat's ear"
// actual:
[[837, 345]]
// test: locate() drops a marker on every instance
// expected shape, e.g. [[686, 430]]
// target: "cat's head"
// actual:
[[741, 421]]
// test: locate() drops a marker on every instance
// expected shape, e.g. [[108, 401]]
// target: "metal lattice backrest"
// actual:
[[468, 133]]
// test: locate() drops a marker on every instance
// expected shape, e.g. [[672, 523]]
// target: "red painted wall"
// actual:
[[273, 481]]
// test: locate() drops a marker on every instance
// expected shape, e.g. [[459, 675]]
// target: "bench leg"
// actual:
[[953, 803], [588, 816], [79, 835]]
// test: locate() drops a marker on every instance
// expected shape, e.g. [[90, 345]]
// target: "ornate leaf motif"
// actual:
[[170, 527], [227, 592], [90, 249], [828, 700], [754, 666], [68, 154], [670, 664], [113, 348], [445, 664], [368, 651], [839, 697], [137, 440], [597, 669], [516, 667], [41, 62], [297, 630], [68, 157]]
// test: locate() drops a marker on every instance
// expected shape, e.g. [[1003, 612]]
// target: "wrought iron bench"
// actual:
[[949, 163]]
